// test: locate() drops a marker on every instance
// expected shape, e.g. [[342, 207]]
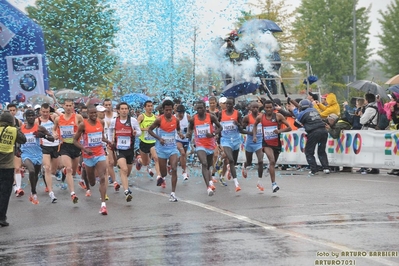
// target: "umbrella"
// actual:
[[40, 99], [135, 98], [393, 80], [93, 100], [255, 25], [68, 94], [238, 88], [394, 88], [369, 87]]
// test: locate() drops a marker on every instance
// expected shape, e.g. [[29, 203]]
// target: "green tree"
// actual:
[[324, 29], [389, 39], [78, 37]]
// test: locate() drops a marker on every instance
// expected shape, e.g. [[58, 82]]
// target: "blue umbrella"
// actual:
[[239, 88], [255, 25], [394, 88], [135, 98]]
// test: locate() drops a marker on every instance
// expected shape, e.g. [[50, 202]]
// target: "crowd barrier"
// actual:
[[354, 148]]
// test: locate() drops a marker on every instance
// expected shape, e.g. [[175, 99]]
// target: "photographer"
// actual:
[[9, 135]]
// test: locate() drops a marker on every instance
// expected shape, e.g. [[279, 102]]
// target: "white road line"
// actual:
[[275, 229]]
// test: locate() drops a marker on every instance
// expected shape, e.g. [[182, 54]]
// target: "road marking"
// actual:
[[269, 227]]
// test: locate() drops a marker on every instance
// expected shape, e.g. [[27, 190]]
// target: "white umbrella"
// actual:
[[369, 87], [68, 94], [40, 99]]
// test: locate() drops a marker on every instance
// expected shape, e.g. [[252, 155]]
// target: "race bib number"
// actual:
[[66, 132], [30, 139], [258, 130], [123, 143], [169, 138], [202, 130], [268, 133], [94, 139], [229, 127], [147, 136]]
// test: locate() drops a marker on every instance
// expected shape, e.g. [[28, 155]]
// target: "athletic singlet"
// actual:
[[92, 139], [107, 122], [183, 128], [49, 125], [123, 134], [167, 131], [32, 145], [67, 128], [268, 126], [201, 127], [251, 123], [147, 121], [230, 130]]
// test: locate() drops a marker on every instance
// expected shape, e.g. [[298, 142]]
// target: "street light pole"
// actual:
[[354, 40]]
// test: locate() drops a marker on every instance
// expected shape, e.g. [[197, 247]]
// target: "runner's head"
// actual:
[[92, 112], [212, 102], [30, 116], [148, 107], [167, 107], [123, 110], [68, 106], [180, 111], [107, 103], [254, 107], [12, 108], [45, 110], [230, 104], [268, 107], [200, 107]]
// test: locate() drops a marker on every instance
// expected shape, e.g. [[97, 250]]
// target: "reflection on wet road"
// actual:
[[304, 223]]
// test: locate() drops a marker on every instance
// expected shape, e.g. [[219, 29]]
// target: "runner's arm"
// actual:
[[45, 134], [135, 126]]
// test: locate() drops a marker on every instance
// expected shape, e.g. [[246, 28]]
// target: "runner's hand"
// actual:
[[254, 139]]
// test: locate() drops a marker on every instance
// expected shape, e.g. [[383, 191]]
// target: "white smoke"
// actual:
[[263, 42]]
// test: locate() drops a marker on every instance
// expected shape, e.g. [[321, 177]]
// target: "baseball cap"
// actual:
[[181, 108], [100, 108], [60, 110], [37, 106], [222, 100], [324, 96]]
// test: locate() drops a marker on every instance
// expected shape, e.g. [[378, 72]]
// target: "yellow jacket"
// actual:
[[331, 108]]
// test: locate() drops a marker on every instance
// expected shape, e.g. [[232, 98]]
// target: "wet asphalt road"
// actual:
[[308, 222]]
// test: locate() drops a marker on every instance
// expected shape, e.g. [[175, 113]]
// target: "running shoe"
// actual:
[[33, 199], [326, 171], [74, 198], [150, 172], [138, 164], [110, 180], [172, 197], [82, 184], [79, 170], [311, 173], [128, 195], [213, 179], [103, 210], [116, 186], [210, 191], [52, 197], [238, 188], [212, 187], [244, 171], [106, 197], [19, 193], [185, 176], [160, 180], [88, 193], [58, 175], [260, 187], [275, 188], [64, 186], [222, 181], [163, 185], [46, 190]]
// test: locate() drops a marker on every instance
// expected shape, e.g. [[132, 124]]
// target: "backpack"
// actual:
[[382, 120]]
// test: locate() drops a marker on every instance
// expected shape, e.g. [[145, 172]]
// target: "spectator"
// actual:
[[369, 120], [354, 119], [332, 106]]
